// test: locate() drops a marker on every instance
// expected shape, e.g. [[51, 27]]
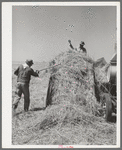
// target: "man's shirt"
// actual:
[[24, 73], [78, 49]]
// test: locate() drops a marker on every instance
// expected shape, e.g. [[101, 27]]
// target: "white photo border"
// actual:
[[7, 70]]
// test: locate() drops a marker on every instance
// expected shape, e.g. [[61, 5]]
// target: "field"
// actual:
[[57, 124]]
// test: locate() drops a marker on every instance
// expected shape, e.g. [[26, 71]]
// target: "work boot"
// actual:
[[14, 109], [26, 110]]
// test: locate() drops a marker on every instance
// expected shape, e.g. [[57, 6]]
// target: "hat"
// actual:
[[29, 61], [82, 43]]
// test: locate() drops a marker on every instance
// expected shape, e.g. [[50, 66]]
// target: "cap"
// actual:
[[82, 43], [29, 62]]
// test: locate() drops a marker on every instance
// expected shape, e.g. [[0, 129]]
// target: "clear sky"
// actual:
[[43, 32]]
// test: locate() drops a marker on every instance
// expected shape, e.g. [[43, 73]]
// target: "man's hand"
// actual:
[[69, 41], [37, 71]]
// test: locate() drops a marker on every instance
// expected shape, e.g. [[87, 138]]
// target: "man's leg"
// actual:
[[18, 94], [26, 96]]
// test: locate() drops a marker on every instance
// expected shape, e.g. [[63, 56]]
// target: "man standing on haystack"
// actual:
[[23, 73], [81, 46]]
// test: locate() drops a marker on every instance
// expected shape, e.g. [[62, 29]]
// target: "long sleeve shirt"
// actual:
[[24, 74]]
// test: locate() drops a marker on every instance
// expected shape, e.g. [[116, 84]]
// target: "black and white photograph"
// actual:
[[60, 75]]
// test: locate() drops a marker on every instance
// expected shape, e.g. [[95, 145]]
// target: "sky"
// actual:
[[41, 33]]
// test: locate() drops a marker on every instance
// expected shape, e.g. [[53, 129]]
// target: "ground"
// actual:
[[36, 127]]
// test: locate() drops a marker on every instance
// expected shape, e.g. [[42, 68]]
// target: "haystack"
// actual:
[[73, 81]]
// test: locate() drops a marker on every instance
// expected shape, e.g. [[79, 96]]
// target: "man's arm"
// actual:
[[35, 74], [16, 71], [70, 44]]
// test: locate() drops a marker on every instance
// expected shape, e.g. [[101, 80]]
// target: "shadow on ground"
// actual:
[[34, 109], [37, 109]]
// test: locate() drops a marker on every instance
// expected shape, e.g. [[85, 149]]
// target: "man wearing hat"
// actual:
[[81, 46], [23, 73]]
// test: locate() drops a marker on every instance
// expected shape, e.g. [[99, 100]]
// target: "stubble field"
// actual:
[[35, 127]]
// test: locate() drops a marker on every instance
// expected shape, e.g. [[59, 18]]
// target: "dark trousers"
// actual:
[[22, 88]]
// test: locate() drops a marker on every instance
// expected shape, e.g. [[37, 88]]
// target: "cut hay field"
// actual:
[[63, 124]]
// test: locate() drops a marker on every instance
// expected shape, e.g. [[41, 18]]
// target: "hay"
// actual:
[[73, 81], [71, 117]]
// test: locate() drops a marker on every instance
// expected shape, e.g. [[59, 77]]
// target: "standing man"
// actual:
[[81, 46], [23, 73]]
